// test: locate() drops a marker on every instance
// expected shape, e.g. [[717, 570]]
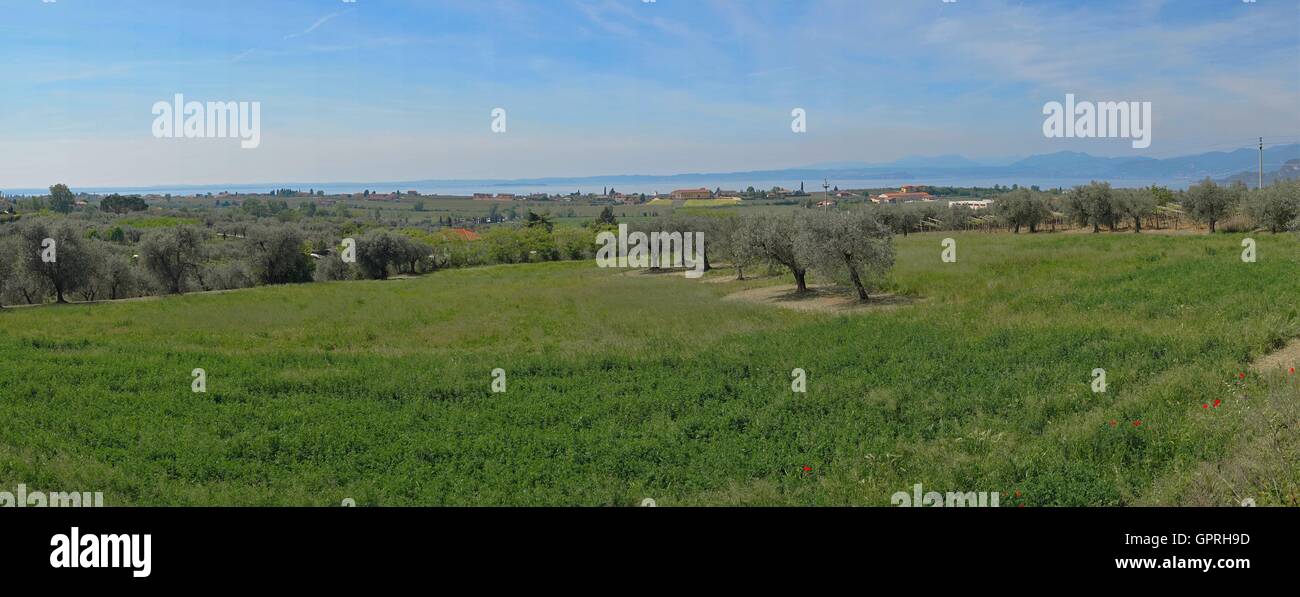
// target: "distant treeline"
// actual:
[[98, 255]]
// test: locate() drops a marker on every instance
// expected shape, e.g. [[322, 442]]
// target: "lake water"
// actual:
[[597, 185]]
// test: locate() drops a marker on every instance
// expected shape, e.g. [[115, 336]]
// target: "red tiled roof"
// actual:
[[464, 234]]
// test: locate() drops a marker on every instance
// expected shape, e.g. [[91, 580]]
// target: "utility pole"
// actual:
[[1261, 162]]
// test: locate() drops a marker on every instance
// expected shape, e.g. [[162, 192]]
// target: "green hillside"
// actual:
[[623, 386]]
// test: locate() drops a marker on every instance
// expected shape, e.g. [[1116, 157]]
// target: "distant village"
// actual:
[[607, 197], [905, 194]]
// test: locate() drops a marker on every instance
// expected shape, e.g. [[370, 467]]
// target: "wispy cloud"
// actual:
[[321, 21], [714, 80]]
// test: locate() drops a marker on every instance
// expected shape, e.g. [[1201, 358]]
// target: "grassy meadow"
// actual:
[[623, 386]]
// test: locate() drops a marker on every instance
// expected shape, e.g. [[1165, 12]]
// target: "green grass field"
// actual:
[[712, 203], [623, 386]]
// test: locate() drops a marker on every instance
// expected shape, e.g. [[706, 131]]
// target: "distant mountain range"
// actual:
[[1074, 164], [920, 161], [1063, 168], [1288, 171]]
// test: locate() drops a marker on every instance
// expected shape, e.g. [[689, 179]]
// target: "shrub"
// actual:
[[331, 268], [278, 256], [575, 243]]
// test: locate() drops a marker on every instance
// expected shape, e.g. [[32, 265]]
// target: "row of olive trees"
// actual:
[[914, 217], [380, 253], [1274, 208], [1023, 208], [241, 254], [851, 246], [1097, 204], [42, 260]]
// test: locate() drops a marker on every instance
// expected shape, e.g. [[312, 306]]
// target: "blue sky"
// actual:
[[403, 89]]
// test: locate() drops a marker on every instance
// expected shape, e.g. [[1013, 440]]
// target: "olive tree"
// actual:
[[1209, 203], [172, 256], [1134, 204], [378, 250], [734, 245], [278, 256], [6, 273], [119, 277], [58, 255], [94, 286], [62, 199], [412, 252], [1022, 207], [20, 285], [846, 242], [1091, 205], [1276, 206], [330, 268], [771, 238]]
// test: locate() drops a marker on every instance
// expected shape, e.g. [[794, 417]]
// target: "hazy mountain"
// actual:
[[1219, 164], [915, 161], [1288, 171], [1062, 168], [938, 161], [1075, 164]]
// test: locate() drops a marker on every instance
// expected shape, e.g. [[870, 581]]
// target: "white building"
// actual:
[[973, 205]]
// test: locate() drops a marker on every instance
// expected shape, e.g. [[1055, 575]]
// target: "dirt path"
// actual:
[[820, 299], [1283, 359]]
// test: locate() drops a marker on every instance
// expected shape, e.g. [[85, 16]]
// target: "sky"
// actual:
[[397, 90]]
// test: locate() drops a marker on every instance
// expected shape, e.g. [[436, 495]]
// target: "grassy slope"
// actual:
[[627, 386]]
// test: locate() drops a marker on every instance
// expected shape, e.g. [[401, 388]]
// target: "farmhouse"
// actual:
[[686, 194], [902, 197]]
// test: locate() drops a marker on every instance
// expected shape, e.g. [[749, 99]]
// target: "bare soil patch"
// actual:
[[820, 299], [1283, 359], [731, 277]]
